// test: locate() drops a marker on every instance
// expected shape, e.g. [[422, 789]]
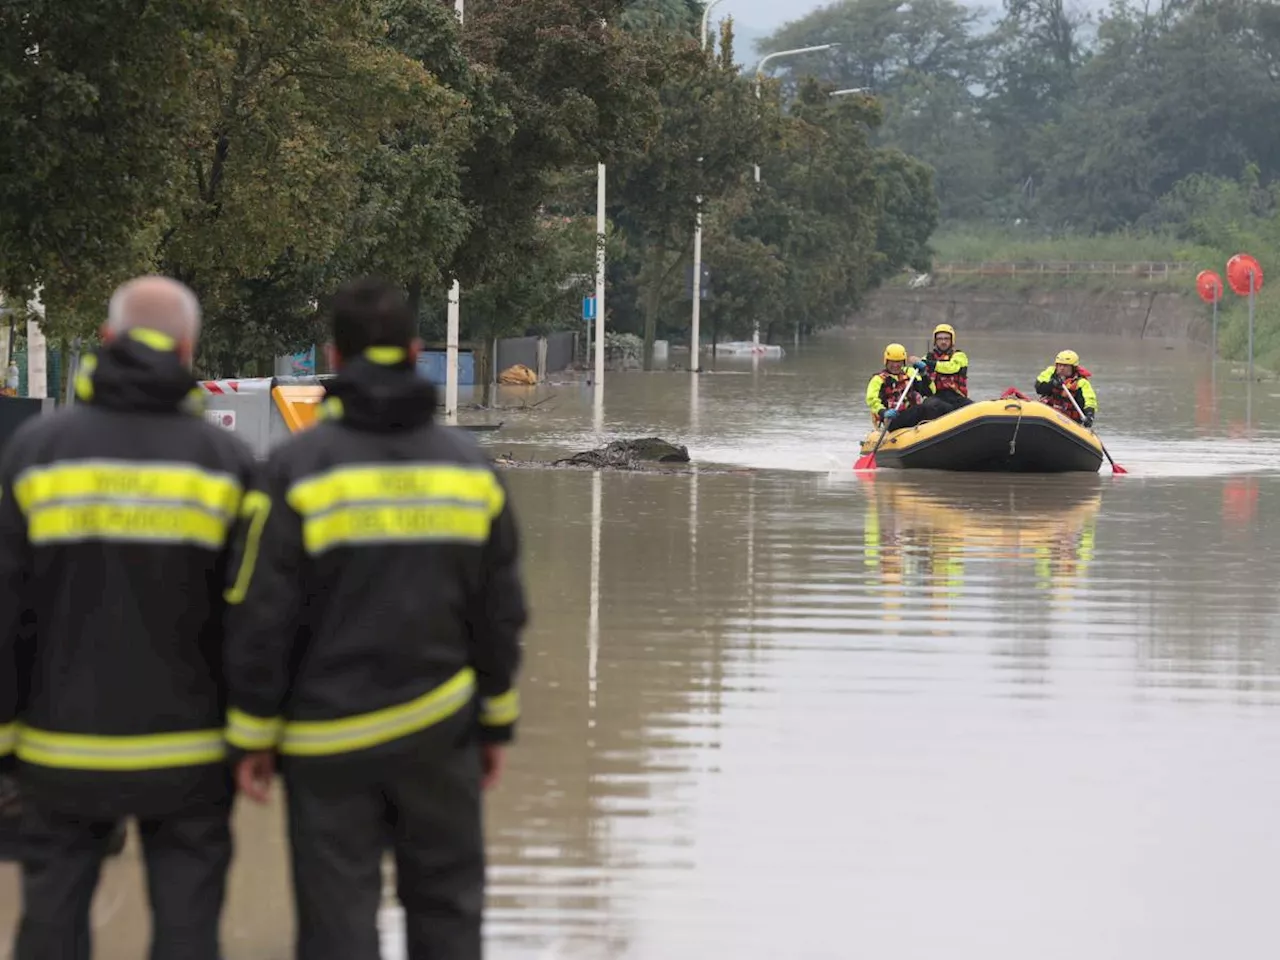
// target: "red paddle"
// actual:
[[868, 462], [1115, 467]]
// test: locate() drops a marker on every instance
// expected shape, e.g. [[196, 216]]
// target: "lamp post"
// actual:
[[755, 330], [597, 404], [452, 323], [784, 53], [695, 353]]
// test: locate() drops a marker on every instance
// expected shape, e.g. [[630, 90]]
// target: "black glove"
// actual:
[[1055, 381], [1088, 419]]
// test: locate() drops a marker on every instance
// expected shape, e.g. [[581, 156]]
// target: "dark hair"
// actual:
[[370, 313]]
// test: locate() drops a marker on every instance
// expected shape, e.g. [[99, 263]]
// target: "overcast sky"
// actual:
[[765, 14]]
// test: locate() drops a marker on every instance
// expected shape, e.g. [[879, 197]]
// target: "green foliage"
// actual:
[[92, 93], [1051, 117], [711, 128], [263, 152]]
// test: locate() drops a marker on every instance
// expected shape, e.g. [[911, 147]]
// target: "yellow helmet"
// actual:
[[944, 328], [1068, 356], [895, 351]]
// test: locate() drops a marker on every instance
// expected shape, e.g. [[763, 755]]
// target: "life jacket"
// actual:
[[956, 382], [1061, 402], [892, 385]]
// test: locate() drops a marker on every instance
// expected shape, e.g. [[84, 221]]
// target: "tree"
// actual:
[[927, 63], [711, 128], [410, 217], [292, 100], [96, 93], [574, 90]]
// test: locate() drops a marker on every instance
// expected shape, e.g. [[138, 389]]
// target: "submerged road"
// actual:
[[789, 712]]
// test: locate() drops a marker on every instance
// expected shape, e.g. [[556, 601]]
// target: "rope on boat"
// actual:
[[1013, 442]]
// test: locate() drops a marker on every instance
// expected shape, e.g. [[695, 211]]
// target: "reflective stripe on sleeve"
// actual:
[[8, 738], [247, 732], [315, 738], [500, 711]]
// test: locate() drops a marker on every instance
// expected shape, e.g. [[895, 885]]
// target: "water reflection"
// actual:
[[790, 713]]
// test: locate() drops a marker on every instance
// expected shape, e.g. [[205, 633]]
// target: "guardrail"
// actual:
[[1142, 269]]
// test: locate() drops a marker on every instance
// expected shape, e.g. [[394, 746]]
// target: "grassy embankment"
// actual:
[[971, 246]]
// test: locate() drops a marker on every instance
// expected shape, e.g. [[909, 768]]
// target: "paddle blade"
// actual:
[[865, 462], [1116, 468]]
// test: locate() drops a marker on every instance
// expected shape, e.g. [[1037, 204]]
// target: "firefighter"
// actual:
[[887, 386], [1066, 376], [948, 368], [116, 519], [373, 647]]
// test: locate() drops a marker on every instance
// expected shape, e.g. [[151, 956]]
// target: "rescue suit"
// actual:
[[1053, 391], [885, 388], [374, 643], [949, 373], [116, 518]]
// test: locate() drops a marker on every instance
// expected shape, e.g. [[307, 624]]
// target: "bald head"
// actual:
[[160, 304]]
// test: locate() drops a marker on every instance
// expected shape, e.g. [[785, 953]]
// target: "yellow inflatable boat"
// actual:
[[1010, 435]]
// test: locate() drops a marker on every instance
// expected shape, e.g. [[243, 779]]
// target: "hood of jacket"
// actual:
[[139, 370], [380, 391]]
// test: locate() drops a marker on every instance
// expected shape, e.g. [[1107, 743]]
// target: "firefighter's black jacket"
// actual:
[[116, 520], [380, 592]]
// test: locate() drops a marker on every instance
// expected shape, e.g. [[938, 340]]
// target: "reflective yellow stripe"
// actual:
[[126, 500], [127, 481], [84, 377], [329, 409], [8, 737], [396, 482], [381, 525], [386, 356], [318, 738], [134, 524], [500, 711], [256, 506], [158, 751], [248, 732], [382, 503], [153, 339]]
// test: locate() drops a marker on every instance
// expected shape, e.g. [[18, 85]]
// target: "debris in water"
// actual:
[[629, 454]]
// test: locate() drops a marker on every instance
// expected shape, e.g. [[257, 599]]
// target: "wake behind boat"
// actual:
[[1010, 435]]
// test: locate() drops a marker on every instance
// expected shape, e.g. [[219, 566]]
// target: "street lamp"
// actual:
[[784, 53], [706, 17], [695, 365], [451, 321], [755, 332]]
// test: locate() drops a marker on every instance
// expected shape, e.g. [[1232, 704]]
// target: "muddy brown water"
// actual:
[[788, 712]]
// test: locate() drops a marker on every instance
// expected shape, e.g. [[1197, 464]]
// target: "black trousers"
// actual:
[[930, 409], [187, 856], [424, 805], [951, 399]]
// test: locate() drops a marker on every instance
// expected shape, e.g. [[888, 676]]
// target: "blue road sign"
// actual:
[[588, 308]]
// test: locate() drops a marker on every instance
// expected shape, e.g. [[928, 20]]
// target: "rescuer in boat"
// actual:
[[948, 369], [888, 385], [1066, 376]]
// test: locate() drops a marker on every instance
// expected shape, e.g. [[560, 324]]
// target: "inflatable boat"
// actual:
[[1010, 435]]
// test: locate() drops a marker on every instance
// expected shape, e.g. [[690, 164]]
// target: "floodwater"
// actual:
[[779, 711]]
